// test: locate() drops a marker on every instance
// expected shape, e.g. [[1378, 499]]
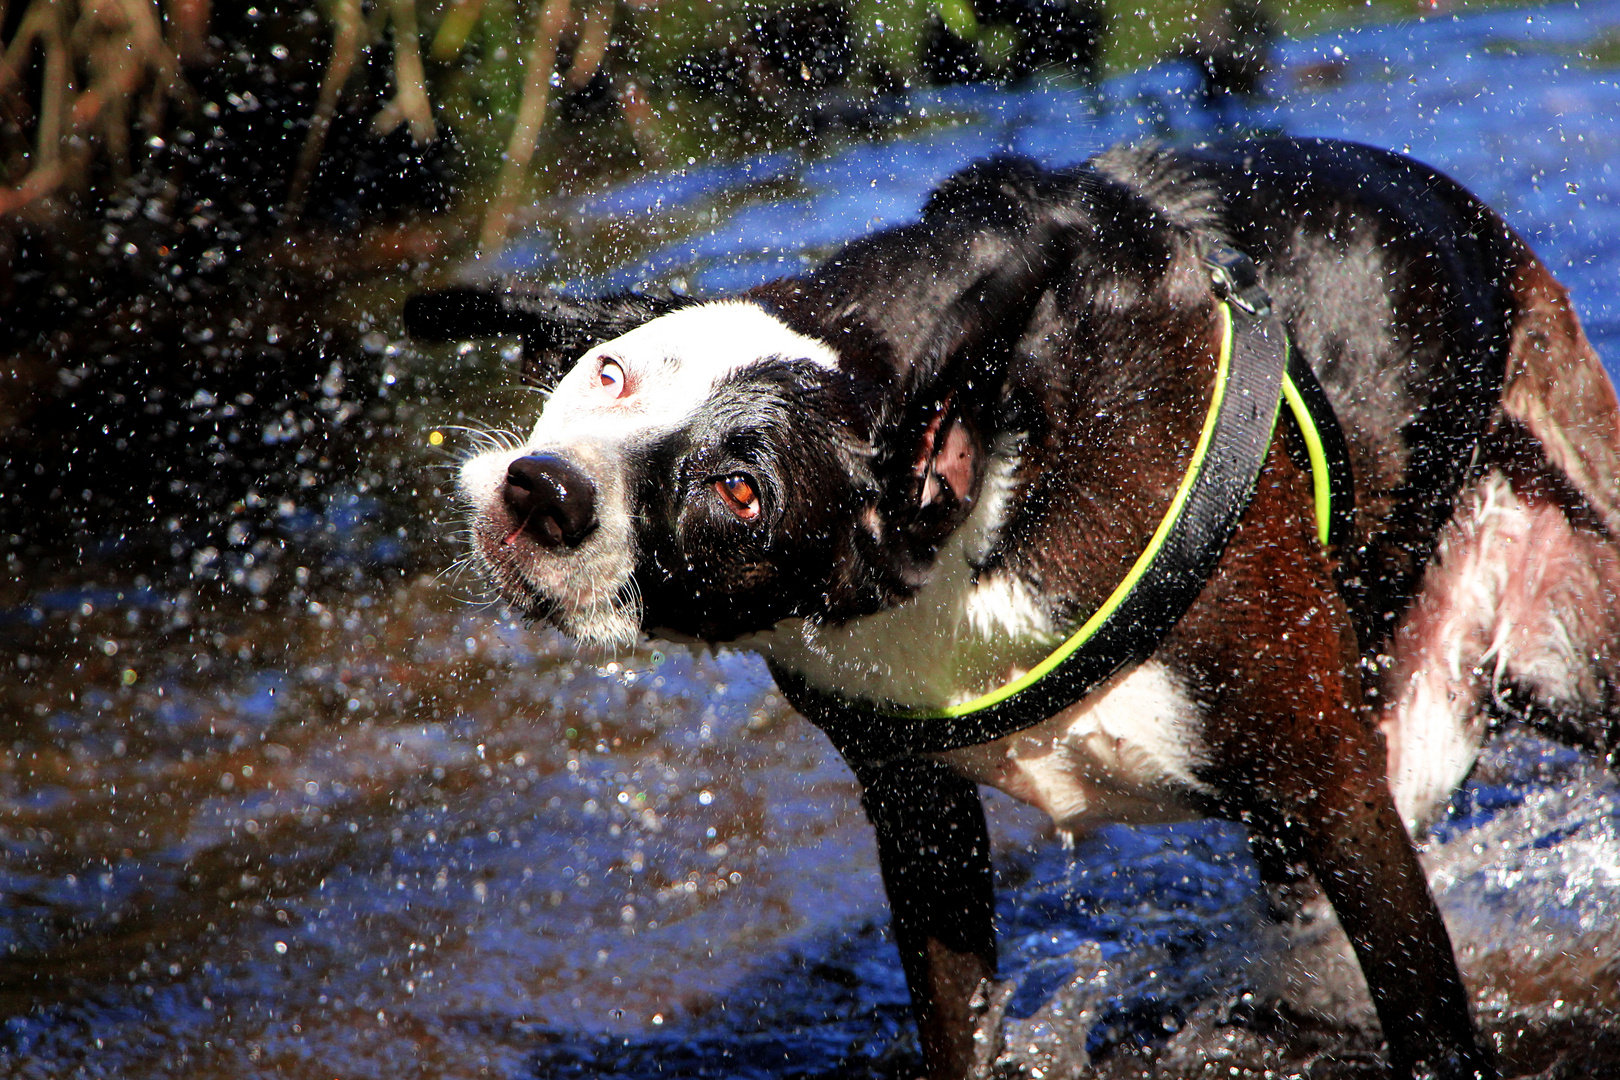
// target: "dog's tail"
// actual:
[[555, 328], [1556, 387]]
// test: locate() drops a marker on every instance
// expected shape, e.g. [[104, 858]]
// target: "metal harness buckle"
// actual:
[[1237, 281]]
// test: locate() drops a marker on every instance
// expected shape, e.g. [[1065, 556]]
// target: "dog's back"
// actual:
[[1485, 440]]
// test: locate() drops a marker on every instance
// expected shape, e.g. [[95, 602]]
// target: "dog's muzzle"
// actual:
[[550, 500]]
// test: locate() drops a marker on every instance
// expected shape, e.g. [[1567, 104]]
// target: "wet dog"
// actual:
[[907, 477]]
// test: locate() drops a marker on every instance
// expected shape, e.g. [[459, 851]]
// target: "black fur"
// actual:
[[789, 427]]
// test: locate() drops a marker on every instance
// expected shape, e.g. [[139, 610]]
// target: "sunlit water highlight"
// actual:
[[385, 834]]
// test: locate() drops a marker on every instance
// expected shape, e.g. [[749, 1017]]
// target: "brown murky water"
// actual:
[[384, 829]]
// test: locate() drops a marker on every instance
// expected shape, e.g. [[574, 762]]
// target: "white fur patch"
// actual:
[[672, 365], [1127, 753], [958, 637], [1504, 600], [585, 585]]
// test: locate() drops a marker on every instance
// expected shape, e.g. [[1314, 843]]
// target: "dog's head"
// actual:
[[695, 474], [708, 469]]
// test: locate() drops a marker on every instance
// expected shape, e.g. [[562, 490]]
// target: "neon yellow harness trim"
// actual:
[[1321, 481], [1323, 508]]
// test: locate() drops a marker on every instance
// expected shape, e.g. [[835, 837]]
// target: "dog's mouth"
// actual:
[[545, 530], [583, 589], [612, 625]]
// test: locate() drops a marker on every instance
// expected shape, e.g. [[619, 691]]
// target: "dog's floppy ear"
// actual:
[[555, 329], [938, 443], [925, 319], [962, 290], [941, 482]]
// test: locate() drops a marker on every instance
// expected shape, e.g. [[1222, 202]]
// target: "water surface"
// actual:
[[358, 823]]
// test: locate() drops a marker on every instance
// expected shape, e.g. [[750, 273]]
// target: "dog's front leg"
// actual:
[[935, 854], [1307, 773], [1311, 780]]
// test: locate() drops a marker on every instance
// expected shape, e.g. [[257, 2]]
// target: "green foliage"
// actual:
[[626, 87]]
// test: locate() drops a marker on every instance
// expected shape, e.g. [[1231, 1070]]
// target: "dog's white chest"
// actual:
[[957, 637], [1129, 752], [953, 641]]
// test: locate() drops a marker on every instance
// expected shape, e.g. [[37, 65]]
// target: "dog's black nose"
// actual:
[[550, 499]]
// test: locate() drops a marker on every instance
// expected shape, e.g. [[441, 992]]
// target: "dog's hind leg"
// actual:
[[1341, 820], [1516, 618], [1557, 394], [1321, 798], [934, 850], [1517, 615]]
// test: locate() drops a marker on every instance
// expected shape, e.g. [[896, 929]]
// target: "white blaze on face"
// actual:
[[617, 398], [671, 366]]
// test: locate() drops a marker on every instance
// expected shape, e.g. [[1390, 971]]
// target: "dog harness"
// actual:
[[1256, 373]]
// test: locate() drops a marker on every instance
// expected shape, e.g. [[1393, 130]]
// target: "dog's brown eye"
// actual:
[[737, 492], [611, 377]]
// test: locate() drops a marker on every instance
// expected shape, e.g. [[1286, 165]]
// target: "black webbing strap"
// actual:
[[1321, 426], [1217, 498], [1237, 280]]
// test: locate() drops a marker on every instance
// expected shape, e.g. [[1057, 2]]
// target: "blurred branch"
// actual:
[[146, 36], [346, 38], [593, 45], [410, 104], [539, 63], [41, 24], [121, 62], [188, 29], [120, 45], [455, 28]]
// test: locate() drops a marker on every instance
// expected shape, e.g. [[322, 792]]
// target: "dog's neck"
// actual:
[[972, 624]]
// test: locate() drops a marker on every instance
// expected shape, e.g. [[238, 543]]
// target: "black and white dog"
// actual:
[[907, 477]]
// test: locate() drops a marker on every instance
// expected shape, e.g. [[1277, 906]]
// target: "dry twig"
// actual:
[[539, 63], [348, 25], [594, 36], [410, 104]]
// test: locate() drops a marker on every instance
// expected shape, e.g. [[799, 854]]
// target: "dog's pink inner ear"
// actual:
[[925, 447], [947, 457], [956, 462]]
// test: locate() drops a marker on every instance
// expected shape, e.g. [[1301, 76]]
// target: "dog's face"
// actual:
[[702, 474], [712, 472], [709, 470]]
